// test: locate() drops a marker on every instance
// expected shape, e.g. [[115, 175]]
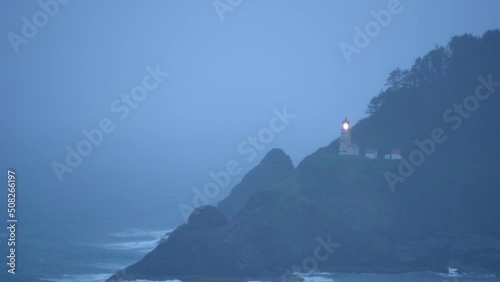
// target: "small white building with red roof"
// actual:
[[371, 153], [353, 149], [396, 154]]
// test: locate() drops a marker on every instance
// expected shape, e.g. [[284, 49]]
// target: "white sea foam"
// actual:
[[109, 266], [149, 242], [315, 277], [157, 281], [452, 272], [143, 246], [80, 278], [131, 233]]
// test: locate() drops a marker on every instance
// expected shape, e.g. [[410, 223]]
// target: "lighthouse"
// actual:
[[346, 145]]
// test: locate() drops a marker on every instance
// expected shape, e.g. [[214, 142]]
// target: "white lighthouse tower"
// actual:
[[346, 145]]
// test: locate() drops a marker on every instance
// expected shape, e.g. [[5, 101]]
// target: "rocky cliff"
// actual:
[[437, 207]]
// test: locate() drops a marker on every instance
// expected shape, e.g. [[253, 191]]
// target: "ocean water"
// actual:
[[407, 277], [86, 261], [85, 238], [88, 241], [98, 260], [95, 261]]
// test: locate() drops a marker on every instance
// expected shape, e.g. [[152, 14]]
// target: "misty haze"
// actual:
[[237, 140]]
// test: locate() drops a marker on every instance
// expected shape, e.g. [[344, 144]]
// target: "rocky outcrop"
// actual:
[[340, 214], [208, 216], [273, 169], [262, 241]]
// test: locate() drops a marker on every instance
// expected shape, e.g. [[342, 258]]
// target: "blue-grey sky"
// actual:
[[226, 77]]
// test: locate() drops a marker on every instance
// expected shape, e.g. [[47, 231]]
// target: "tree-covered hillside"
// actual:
[[437, 207]]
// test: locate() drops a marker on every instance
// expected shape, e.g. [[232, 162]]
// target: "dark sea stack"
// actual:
[[273, 169]]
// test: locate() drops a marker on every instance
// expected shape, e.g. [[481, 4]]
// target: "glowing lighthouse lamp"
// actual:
[[347, 148], [345, 125]]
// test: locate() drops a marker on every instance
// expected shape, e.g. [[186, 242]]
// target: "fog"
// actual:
[[227, 76]]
